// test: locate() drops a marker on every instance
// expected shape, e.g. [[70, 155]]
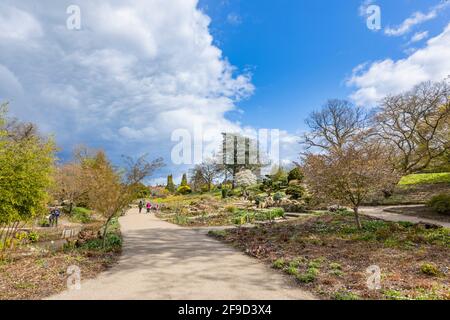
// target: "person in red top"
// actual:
[[149, 207]]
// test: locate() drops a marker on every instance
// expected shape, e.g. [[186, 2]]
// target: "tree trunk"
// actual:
[[358, 221], [70, 208], [105, 230]]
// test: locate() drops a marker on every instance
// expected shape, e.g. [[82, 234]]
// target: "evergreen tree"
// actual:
[[184, 181], [170, 185]]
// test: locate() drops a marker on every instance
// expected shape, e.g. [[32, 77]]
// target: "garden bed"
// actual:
[[37, 274], [329, 256]]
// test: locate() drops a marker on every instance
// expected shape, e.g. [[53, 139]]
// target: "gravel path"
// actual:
[[379, 212], [164, 261]]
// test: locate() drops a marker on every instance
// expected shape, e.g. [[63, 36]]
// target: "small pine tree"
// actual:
[[184, 181], [170, 185]]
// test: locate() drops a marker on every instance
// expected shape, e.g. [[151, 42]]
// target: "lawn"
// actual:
[[329, 256], [425, 178]]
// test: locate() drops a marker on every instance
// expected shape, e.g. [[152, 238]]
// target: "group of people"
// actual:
[[148, 206], [54, 216]]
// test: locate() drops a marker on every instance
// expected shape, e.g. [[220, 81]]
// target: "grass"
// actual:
[[425, 178]]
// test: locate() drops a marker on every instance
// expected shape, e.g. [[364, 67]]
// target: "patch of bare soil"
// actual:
[[329, 256]]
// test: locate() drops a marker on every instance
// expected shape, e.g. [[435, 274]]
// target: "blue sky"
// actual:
[[301, 52], [137, 71]]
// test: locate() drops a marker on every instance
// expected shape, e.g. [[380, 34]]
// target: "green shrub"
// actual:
[[279, 263], [295, 191], [345, 295], [82, 215], [295, 174], [184, 190], [440, 204], [225, 193], [33, 236], [309, 276], [278, 196], [429, 269]]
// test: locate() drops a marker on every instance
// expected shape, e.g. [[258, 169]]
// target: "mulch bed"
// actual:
[[331, 248]]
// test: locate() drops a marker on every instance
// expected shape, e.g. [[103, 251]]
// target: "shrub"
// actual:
[[81, 215], [184, 190], [295, 174], [295, 191], [429, 269], [279, 263], [225, 193], [33, 237], [278, 196], [440, 204], [345, 295]]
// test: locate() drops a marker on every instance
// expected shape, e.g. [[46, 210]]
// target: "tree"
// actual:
[[184, 181], [295, 174], [335, 125], [245, 179], [350, 175], [239, 153], [205, 174], [69, 184], [416, 125], [170, 185], [26, 168], [110, 190]]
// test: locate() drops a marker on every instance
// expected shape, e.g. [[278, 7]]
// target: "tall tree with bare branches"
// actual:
[[416, 125], [335, 125]]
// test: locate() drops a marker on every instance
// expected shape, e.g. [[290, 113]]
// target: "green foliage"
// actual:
[[346, 295], [184, 181], [440, 204], [184, 190], [82, 215], [425, 178], [279, 263], [142, 191], [429, 269], [33, 237], [295, 174], [278, 196], [225, 192], [26, 167], [295, 191], [170, 185]]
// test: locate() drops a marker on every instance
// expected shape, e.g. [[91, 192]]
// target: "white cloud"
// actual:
[[16, 24], [415, 19], [136, 71], [381, 78], [419, 36]]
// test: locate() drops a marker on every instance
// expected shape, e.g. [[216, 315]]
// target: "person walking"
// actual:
[[141, 205], [149, 207]]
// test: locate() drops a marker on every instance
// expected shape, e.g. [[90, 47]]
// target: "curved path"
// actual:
[[164, 261]]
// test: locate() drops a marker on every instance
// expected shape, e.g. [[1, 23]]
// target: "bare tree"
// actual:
[[335, 125], [350, 175], [69, 184], [416, 124], [206, 173]]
